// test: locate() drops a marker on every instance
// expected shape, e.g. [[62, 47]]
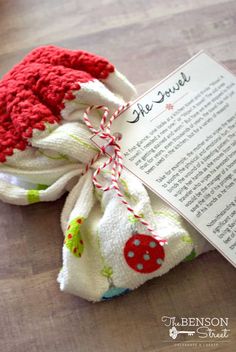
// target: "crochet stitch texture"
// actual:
[[32, 93]]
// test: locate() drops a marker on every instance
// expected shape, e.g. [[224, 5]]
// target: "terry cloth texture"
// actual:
[[44, 146]]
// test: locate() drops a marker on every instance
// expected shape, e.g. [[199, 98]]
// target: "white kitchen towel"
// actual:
[[44, 146]]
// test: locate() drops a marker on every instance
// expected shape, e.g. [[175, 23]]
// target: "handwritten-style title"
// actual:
[[141, 111]]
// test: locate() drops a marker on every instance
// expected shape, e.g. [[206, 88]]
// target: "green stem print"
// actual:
[[58, 156], [185, 237], [127, 193], [83, 143], [133, 219], [107, 272]]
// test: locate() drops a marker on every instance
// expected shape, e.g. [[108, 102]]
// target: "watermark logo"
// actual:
[[173, 332], [197, 330]]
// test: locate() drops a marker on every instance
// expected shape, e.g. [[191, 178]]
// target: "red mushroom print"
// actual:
[[143, 253]]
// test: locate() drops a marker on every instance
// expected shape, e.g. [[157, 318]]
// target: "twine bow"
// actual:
[[116, 158]]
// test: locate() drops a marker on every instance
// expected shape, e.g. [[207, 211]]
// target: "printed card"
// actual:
[[179, 139]]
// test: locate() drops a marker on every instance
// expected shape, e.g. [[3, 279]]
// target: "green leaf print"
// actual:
[[73, 238], [191, 256]]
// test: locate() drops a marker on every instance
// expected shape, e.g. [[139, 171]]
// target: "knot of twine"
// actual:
[[116, 158]]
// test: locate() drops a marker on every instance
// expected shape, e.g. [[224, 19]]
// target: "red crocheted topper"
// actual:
[[32, 93]]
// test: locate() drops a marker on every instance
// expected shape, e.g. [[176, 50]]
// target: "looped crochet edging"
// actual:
[[32, 94]]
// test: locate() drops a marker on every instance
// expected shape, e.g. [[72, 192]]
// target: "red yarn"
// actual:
[[32, 93]]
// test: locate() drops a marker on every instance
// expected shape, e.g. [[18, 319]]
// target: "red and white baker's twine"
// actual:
[[104, 132]]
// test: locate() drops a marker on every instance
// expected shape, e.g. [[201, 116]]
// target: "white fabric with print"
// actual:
[[107, 252]]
